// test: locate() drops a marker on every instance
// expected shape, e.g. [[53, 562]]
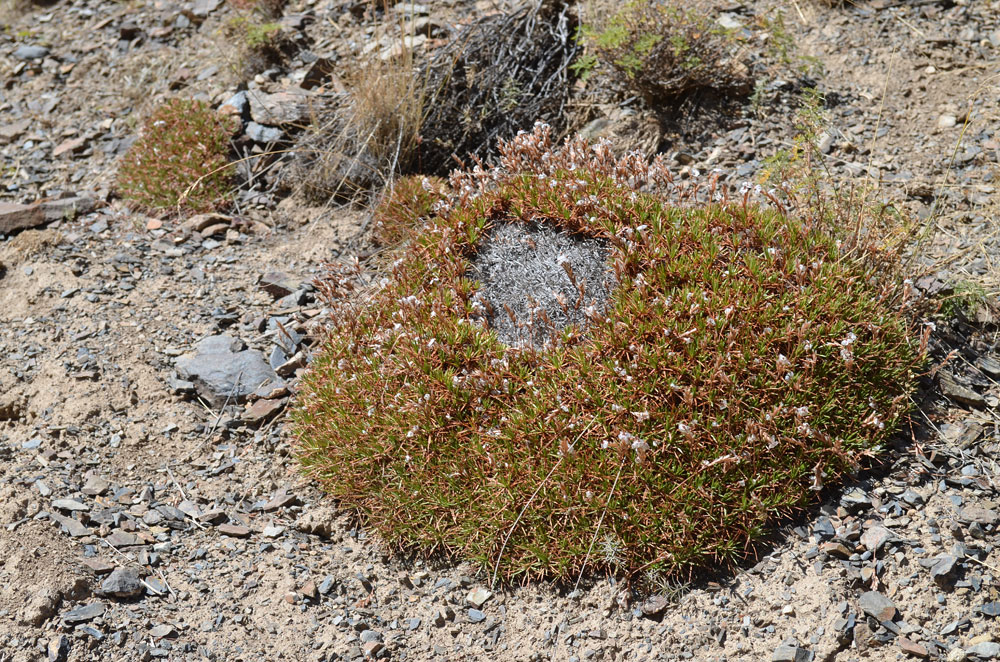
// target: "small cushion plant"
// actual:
[[180, 159], [740, 355], [665, 53]]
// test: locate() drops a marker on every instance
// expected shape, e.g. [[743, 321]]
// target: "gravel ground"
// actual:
[[149, 503]]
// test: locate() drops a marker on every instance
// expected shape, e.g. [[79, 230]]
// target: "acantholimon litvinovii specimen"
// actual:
[[737, 353]]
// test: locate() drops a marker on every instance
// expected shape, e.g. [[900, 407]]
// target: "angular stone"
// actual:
[[278, 109], [280, 499], [221, 370], [944, 566], [986, 650], [10, 131], [119, 538], [262, 134], [28, 52], [214, 516], [478, 597], [956, 392], [85, 613], [98, 565], [14, 217], [877, 606], [57, 648], [262, 411], [790, 651], [161, 631], [234, 530], [876, 537], [836, 549], [70, 504], [912, 648], [72, 526], [72, 146], [978, 515], [95, 486], [990, 609], [122, 583], [277, 284]]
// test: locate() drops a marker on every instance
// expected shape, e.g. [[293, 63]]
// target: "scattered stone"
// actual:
[[947, 121], [234, 530], [162, 631], [14, 217], [944, 566], [57, 648], [119, 538], [978, 515], [790, 651], [912, 648], [875, 537], [95, 486], [73, 527], [278, 284], [98, 565], [72, 146], [70, 504], [309, 590], [10, 131], [262, 134], [986, 650], [281, 499], [654, 606], [85, 613], [877, 606], [278, 109], [956, 392], [262, 411], [476, 616], [122, 583], [222, 370], [990, 609], [478, 597], [372, 648], [27, 52]]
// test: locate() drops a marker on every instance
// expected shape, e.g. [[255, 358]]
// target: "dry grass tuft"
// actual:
[[751, 350], [361, 139]]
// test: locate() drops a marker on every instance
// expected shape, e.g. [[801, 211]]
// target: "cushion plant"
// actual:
[[733, 356]]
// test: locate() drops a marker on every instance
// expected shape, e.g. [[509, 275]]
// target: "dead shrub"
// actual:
[[498, 77], [495, 78]]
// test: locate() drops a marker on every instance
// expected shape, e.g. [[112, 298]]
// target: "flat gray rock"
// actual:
[[986, 650], [122, 583], [222, 370], [31, 52], [84, 613]]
